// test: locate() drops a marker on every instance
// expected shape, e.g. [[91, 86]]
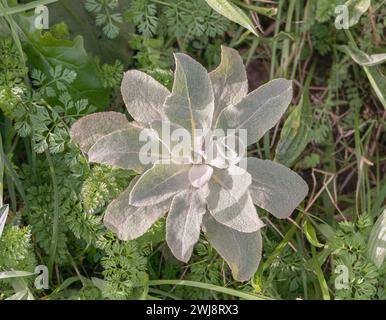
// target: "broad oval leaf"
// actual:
[[259, 111], [129, 222], [377, 241], [88, 130], [191, 103], [183, 223], [160, 183], [242, 251], [229, 81], [144, 96], [233, 13], [123, 149], [275, 188]]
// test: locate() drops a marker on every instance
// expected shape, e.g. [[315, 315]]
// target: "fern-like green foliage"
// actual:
[[125, 265], [183, 18], [102, 186], [12, 71], [16, 251], [350, 250], [107, 16]]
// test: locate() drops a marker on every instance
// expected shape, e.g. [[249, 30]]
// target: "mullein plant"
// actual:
[[201, 192]]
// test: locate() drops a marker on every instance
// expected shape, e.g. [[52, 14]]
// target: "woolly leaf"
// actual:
[[130, 222], [184, 222], [229, 81], [229, 201], [242, 251], [191, 103], [144, 97], [160, 183], [275, 188], [121, 149], [89, 129], [356, 9], [259, 111]]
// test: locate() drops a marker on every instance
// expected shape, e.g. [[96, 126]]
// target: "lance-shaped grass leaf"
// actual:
[[259, 111], [159, 184], [3, 218], [296, 132], [129, 222], [242, 251], [363, 58], [183, 224], [191, 103], [229, 81], [89, 129], [233, 13], [275, 188], [144, 97], [122, 149]]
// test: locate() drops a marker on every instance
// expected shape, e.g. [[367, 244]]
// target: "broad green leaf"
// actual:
[[123, 149], [229, 81], [89, 129], [356, 8], [129, 222], [200, 174], [363, 58], [191, 103], [310, 233], [259, 111], [3, 217], [44, 52], [275, 188], [144, 97], [183, 223], [229, 202], [377, 241], [233, 13], [160, 183], [242, 251], [296, 132]]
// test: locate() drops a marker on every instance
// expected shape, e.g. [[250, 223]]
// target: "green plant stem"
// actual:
[[55, 224], [232, 292]]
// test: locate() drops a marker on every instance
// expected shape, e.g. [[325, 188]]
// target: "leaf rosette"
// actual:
[[216, 193]]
